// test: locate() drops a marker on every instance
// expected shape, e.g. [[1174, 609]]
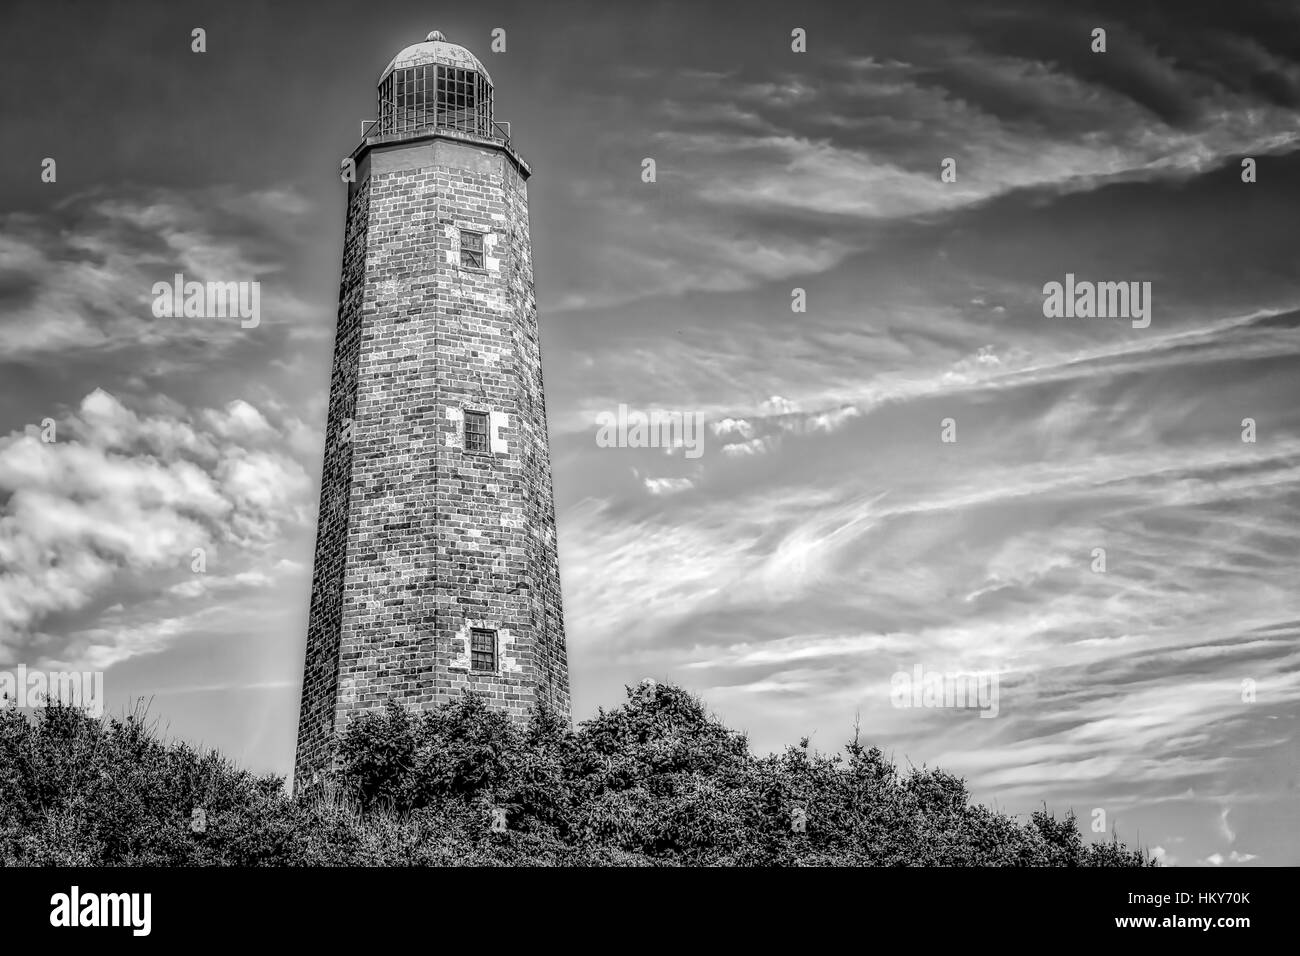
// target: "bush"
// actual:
[[657, 781]]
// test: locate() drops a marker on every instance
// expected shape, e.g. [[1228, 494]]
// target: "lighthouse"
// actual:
[[436, 569]]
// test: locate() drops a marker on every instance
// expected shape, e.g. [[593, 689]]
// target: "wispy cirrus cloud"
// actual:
[[810, 172], [81, 279]]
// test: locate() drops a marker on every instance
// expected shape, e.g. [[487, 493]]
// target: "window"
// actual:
[[476, 431], [471, 249], [459, 96], [431, 97], [483, 650]]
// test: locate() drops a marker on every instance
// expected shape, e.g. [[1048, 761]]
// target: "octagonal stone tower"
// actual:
[[436, 569]]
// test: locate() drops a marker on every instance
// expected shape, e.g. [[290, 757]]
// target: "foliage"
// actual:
[[657, 781]]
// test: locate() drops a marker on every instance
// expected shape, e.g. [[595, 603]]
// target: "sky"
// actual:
[[828, 537]]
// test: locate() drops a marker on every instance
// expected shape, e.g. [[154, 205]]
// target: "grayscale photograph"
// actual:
[[760, 437]]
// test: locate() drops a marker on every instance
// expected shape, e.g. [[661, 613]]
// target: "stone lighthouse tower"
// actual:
[[436, 569]]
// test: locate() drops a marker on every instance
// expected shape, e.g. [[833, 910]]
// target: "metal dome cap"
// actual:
[[436, 48]]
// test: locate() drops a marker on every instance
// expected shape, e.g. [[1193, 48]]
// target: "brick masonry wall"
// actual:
[[320, 671], [438, 540]]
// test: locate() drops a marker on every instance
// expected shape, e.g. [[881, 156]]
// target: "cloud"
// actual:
[[79, 280], [667, 486], [1218, 859], [763, 180], [1224, 829], [732, 426], [121, 496]]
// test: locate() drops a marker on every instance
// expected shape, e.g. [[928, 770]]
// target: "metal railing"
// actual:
[[449, 121]]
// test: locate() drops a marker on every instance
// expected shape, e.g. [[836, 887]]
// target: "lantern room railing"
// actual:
[[500, 132]]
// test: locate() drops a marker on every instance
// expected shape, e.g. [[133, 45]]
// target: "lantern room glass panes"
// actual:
[[433, 97]]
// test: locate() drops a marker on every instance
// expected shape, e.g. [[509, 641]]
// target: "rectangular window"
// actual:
[[476, 431], [471, 249], [483, 650]]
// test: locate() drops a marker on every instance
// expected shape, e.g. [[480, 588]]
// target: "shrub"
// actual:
[[655, 782]]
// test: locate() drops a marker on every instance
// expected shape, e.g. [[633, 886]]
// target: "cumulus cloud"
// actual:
[[667, 486], [120, 494]]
